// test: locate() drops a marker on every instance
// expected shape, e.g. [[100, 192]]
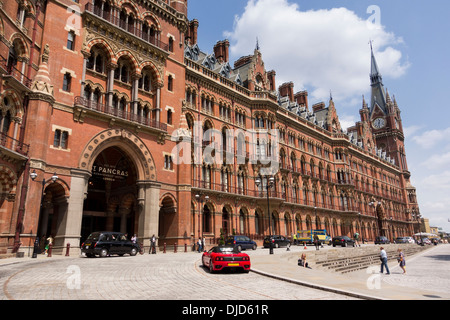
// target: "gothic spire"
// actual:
[[378, 97], [375, 75]]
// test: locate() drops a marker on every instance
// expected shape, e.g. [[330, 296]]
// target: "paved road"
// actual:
[[171, 276], [180, 276], [428, 270]]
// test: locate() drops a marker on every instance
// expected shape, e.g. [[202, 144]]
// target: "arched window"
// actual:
[[241, 221], [206, 172], [5, 121], [257, 223], [171, 44], [123, 71]]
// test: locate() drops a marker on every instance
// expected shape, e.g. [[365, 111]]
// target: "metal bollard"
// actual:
[[67, 249], [49, 253], [164, 248], [185, 247], [175, 248]]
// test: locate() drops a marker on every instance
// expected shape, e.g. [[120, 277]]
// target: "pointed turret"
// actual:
[[378, 97], [375, 75]]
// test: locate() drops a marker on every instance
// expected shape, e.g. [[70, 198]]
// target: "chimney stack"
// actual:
[[191, 35], [287, 89], [271, 75], [221, 51], [302, 98]]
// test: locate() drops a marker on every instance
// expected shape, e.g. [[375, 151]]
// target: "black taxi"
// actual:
[[106, 243]]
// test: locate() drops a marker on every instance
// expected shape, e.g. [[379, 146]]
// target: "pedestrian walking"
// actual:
[[49, 242], [153, 245], [384, 259], [199, 245], [316, 241], [357, 239], [401, 260]]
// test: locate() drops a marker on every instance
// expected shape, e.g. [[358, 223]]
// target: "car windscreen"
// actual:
[[226, 250], [94, 236]]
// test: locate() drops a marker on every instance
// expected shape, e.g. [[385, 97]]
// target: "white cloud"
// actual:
[[410, 130], [441, 180], [319, 50], [438, 161], [431, 138], [347, 121]]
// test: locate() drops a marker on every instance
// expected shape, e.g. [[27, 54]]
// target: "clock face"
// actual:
[[379, 123]]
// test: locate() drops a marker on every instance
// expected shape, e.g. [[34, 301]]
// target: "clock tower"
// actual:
[[387, 130], [385, 120]]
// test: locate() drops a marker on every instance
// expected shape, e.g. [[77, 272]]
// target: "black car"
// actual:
[[241, 242], [107, 243], [343, 241], [382, 240], [278, 241]]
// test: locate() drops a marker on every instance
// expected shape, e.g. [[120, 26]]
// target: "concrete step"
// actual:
[[353, 260]]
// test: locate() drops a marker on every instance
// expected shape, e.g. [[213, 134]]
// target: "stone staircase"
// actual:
[[345, 260]]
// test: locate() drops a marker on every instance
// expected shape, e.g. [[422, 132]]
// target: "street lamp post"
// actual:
[[391, 231], [360, 227], [269, 184], [375, 205], [200, 202], [33, 176], [417, 216]]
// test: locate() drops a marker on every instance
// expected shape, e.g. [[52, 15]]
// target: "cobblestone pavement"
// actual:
[[427, 276], [428, 270], [180, 276], [172, 276]]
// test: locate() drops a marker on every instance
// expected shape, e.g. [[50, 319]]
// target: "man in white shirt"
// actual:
[[384, 259]]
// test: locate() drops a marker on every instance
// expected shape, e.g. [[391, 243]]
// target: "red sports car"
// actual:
[[221, 257]]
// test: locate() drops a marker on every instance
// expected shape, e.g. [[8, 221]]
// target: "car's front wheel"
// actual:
[[133, 252], [254, 247], [104, 253]]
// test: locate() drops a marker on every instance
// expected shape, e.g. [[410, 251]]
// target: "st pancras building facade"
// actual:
[[112, 118]]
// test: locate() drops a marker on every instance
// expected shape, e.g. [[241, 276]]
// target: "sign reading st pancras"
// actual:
[[109, 172]]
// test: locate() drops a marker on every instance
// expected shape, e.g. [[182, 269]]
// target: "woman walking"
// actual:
[[401, 260]]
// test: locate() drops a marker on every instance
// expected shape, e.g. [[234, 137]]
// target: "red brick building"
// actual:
[[99, 99]]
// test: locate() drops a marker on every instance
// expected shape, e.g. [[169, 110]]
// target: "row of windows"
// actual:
[[289, 192]]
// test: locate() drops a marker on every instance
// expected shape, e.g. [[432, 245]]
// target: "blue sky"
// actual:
[[322, 46]]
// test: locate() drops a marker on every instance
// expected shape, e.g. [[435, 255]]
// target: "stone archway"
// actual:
[[146, 208]]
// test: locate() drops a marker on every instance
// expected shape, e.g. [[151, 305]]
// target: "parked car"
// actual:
[[382, 240], [404, 240], [242, 242], [343, 241], [225, 257], [410, 239], [278, 241], [106, 243], [401, 240]]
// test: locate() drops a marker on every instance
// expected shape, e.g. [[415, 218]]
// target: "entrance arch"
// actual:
[[167, 212], [111, 199], [127, 141], [139, 203]]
